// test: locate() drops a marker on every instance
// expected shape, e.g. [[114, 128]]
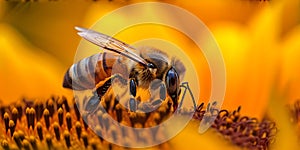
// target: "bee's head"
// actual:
[[152, 68], [171, 74]]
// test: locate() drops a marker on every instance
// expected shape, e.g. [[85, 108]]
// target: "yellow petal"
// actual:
[[290, 64], [26, 70], [49, 25]]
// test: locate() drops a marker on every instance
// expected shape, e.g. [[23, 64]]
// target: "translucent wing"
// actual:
[[110, 43]]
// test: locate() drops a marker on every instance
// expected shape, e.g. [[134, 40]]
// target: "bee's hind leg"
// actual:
[[93, 102]]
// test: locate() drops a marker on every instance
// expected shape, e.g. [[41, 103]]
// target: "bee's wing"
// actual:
[[110, 43]]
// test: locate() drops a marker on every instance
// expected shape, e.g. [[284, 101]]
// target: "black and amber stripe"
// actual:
[[89, 71]]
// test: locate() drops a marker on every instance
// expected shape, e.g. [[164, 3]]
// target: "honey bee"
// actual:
[[144, 67]]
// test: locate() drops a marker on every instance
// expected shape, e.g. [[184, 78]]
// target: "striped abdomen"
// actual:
[[89, 71]]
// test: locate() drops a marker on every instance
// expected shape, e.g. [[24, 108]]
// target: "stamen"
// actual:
[[85, 120], [5, 145], [294, 110], [65, 103], [94, 144], [17, 140], [39, 107], [6, 121], [85, 139], [32, 141], [59, 103], [49, 141], [243, 131], [56, 131], [12, 127], [60, 116], [40, 131], [21, 135], [20, 110], [31, 115], [15, 115], [26, 144], [78, 129], [67, 139], [47, 118], [50, 107], [69, 121], [77, 113]]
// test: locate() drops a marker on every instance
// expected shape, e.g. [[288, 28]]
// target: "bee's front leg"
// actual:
[[186, 87], [132, 102]]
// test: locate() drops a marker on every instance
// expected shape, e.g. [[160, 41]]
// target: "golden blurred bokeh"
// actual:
[[259, 41]]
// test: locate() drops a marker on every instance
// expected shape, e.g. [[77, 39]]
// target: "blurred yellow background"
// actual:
[[259, 42]]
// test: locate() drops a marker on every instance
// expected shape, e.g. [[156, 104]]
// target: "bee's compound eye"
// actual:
[[150, 65], [172, 82]]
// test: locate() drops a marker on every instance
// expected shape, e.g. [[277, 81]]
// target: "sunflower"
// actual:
[[258, 39]]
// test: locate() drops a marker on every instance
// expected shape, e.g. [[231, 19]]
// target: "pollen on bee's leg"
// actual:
[[156, 118], [138, 118]]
